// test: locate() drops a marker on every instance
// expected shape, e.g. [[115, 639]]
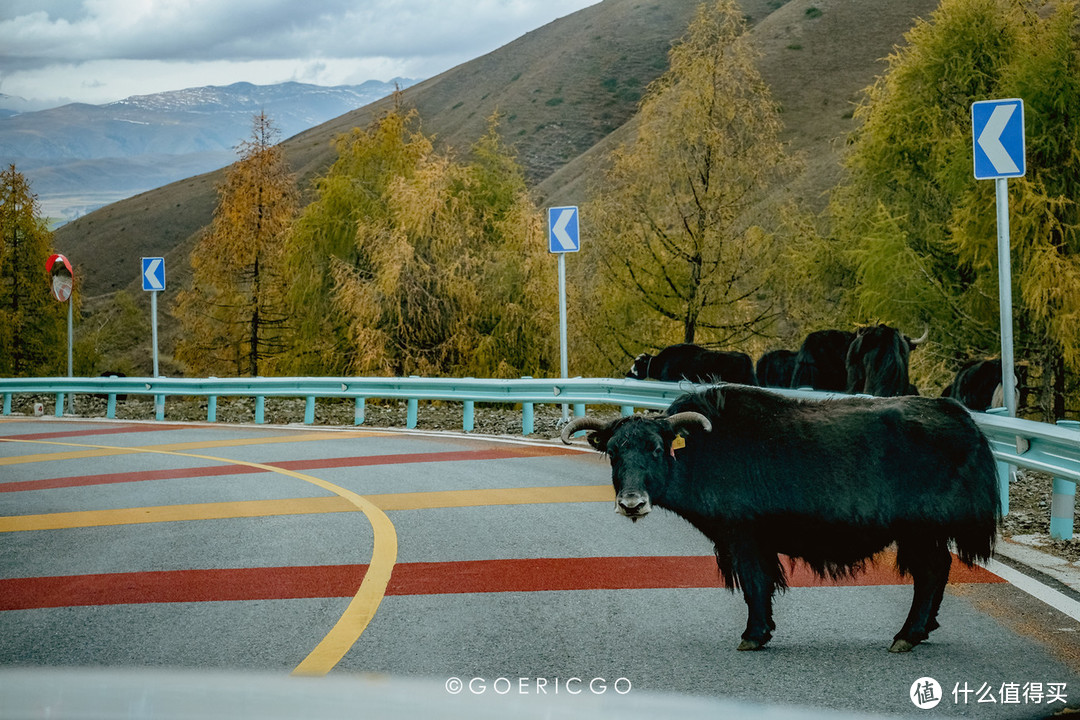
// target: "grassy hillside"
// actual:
[[567, 92], [817, 56], [561, 88]]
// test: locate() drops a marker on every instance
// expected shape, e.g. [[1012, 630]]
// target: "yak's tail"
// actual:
[[975, 541], [976, 536]]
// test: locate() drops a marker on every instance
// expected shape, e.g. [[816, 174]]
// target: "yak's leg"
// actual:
[[758, 574], [928, 562]]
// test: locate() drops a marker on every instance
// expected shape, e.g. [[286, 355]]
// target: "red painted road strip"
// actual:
[[474, 576], [297, 465], [94, 431]]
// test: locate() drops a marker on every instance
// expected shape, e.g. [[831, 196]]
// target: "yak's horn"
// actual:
[[581, 423], [689, 419], [921, 340]]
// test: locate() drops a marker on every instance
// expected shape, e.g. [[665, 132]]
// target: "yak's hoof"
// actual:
[[751, 645], [900, 645]]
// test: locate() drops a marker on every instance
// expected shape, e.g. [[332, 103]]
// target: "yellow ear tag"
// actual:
[[678, 443]]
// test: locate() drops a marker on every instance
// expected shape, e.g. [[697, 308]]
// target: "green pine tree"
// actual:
[[918, 232], [33, 325], [684, 228], [234, 314]]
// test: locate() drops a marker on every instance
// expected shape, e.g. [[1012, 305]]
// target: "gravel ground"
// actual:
[[1029, 495], [1029, 516]]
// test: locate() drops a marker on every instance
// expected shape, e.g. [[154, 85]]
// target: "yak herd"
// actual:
[[770, 479], [873, 360]]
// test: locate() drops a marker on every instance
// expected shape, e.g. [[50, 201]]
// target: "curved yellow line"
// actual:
[[362, 607]]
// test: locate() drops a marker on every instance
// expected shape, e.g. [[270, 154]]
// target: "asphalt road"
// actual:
[[442, 571]]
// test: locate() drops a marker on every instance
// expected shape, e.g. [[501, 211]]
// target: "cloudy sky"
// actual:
[[97, 51]]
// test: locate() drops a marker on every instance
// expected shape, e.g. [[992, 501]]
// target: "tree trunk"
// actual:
[[1059, 387], [693, 309], [253, 353]]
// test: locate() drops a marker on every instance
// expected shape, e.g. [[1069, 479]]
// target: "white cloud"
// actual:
[[103, 50]]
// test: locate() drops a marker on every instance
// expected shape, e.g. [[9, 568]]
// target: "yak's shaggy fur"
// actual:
[[695, 364], [821, 362], [831, 483], [877, 362]]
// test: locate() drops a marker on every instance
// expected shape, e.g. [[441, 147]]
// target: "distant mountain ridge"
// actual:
[[145, 141], [13, 105]]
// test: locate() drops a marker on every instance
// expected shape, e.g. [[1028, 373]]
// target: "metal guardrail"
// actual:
[[1053, 449]]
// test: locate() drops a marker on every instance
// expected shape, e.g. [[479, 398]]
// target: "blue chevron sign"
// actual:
[[997, 130], [563, 235], [153, 273]]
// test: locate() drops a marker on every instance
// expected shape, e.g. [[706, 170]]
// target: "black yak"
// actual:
[[829, 482], [977, 385], [877, 361], [776, 368], [694, 363], [821, 362]]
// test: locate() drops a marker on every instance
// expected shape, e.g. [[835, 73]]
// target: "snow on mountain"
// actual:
[[146, 141]]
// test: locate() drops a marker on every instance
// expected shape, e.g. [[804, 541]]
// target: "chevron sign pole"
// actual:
[[563, 237], [997, 133], [153, 281]]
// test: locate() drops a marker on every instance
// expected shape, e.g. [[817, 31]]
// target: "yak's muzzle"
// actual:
[[633, 505]]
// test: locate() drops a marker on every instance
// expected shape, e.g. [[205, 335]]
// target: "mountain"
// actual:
[[13, 105], [79, 157], [818, 56], [567, 92]]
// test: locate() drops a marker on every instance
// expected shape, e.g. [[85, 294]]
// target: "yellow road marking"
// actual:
[[501, 496], [365, 603], [306, 506], [173, 448], [175, 513], [352, 623], [362, 607]]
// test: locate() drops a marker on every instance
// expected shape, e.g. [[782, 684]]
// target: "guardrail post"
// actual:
[[159, 407], [110, 407], [211, 405], [1062, 509], [411, 407], [309, 410], [527, 418], [1063, 500], [626, 410], [467, 420], [7, 403], [260, 409], [579, 409], [358, 412], [1004, 471], [59, 405]]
